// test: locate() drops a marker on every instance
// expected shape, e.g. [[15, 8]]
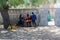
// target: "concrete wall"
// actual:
[[43, 16], [14, 14], [57, 17]]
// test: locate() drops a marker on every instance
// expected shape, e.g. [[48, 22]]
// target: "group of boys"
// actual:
[[30, 20]]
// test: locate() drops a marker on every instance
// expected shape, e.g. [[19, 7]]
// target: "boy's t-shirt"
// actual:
[[49, 17], [28, 19]]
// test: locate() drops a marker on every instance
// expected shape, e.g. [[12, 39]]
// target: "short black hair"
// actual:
[[32, 12], [27, 14]]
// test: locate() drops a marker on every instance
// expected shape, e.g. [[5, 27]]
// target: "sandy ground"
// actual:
[[32, 33]]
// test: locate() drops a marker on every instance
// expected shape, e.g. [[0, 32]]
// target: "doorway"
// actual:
[[52, 15]]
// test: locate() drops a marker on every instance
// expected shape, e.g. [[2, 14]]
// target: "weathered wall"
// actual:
[[14, 14]]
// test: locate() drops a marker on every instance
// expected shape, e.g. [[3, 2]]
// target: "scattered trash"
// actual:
[[12, 27], [1, 26]]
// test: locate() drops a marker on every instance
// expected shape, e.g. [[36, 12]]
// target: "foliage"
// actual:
[[4, 3], [36, 2], [15, 2]]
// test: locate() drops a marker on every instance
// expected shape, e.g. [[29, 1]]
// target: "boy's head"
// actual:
[[32, 12], [27, 14]]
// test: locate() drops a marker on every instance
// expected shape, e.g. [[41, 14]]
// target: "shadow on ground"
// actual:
[[31, 33]]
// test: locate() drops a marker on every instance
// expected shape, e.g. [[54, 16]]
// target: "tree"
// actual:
[[15, 2], [4, 7], [37, 2], [54, 1]]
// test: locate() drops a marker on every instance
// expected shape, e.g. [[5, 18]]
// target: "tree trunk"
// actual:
[[5, 16]]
